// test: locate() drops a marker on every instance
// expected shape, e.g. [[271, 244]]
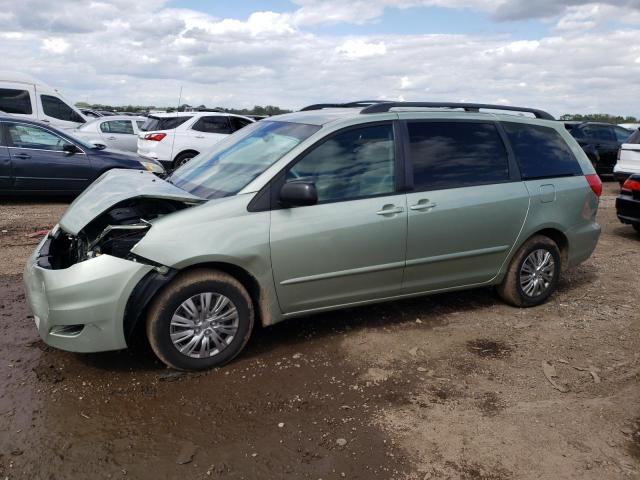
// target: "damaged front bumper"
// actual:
[[81, 308]]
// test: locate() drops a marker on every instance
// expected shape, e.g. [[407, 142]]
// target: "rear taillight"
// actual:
[[156, 137], [631, 185], [595, 183]]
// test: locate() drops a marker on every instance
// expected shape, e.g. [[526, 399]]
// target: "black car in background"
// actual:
[[37, 158], [628, 202], [600, 141]]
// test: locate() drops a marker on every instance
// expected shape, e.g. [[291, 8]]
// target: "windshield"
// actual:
[[239, 159], [634, 138]]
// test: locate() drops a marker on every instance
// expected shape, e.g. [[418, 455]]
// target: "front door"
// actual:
[[39, 162], [350, 247], [467, 208]]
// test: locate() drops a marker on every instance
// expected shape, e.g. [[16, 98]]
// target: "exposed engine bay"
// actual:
[[114, 232]]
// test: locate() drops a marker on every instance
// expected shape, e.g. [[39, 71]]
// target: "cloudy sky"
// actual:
[[561, 55]]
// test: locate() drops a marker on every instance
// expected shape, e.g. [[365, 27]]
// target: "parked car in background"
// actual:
[[118, 132], [175, 138], [29, 98], [628, 158], [600, 141], [630, 126], [38, 158], [315, 211], [628, 202]]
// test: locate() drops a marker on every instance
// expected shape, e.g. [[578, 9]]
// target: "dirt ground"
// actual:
[[447, 387]]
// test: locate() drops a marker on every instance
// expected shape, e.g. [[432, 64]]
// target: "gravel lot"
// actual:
[[447, 387]]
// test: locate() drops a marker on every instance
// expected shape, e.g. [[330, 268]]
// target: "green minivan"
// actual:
[[334, 206]]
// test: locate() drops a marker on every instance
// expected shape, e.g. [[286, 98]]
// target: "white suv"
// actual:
[[628, 158], [175, 138]]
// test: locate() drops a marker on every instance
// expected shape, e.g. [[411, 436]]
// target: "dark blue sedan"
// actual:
[[36, 158]]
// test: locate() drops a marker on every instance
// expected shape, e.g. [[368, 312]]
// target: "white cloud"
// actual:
[[55, 45], [361, 49]]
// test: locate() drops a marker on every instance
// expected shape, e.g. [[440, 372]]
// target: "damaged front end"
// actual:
[[114, 232], [112, 216]]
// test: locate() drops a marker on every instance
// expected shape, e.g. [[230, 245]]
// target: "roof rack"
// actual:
[[381, 107], [357, 104]]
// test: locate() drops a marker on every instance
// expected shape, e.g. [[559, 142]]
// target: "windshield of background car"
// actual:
[[239, 159], [635, 137]]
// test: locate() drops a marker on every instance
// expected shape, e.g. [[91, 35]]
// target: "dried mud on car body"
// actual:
[[449, 386]]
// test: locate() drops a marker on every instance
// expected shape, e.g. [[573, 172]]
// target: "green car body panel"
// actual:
[[321, 257]]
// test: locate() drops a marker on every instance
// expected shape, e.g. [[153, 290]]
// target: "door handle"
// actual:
[[23, 156], [199, 136], [422, 205], [111, 138], [390, 210]]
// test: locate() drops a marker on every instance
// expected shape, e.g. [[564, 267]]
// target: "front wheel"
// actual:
[[636, 226], [533, 273], [201, 320]]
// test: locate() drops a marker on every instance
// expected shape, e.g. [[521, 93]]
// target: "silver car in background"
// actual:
[[118, 132]]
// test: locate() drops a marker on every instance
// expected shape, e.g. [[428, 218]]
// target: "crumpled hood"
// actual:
[[114, 187]]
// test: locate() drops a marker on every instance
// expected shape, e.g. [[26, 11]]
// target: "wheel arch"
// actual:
[[188, 150], [154, 283]]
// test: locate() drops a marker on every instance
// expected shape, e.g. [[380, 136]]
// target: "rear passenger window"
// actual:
[[117, 126], [456, 154], [358, 163], [541, 152], [15, 101], [213, 125]]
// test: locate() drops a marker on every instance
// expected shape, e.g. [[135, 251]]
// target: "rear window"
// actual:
[[634, 138], [15, 101], [541, 152], [164, 123], [456, 154]]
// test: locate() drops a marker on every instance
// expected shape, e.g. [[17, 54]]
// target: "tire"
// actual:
[[183, 158], [171, 313], [545, 282], [636, 226]]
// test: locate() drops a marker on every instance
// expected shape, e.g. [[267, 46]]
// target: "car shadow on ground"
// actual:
[[295, 333]]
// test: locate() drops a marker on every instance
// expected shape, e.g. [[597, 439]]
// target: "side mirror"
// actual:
[[298, 194], [70, 149], [99, 146]]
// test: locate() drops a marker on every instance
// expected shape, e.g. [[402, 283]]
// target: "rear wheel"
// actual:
[[533, 273], [201, 320], [183, 158]]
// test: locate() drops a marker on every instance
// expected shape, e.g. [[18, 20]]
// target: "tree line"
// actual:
[[266, 110]]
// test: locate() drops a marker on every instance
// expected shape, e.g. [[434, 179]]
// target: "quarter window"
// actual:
[[456, 154], [354, 164], [32, 137], [15, 101], [117, 126], [213, 125], [56, 108], [541, 152]]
